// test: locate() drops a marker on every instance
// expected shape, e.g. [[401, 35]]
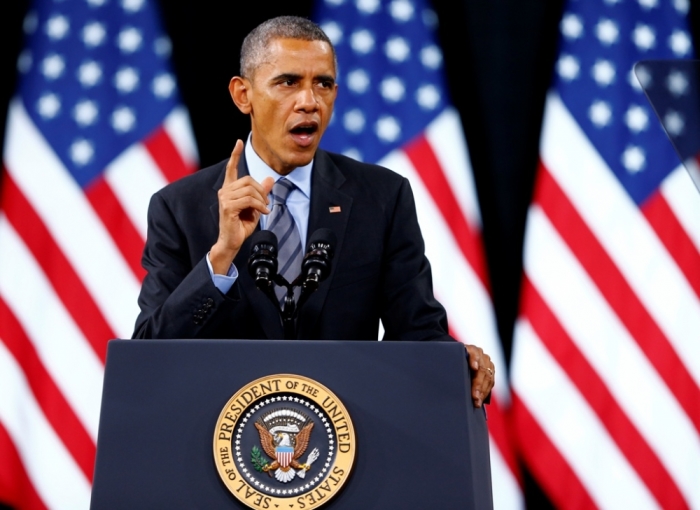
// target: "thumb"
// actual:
[[267, 184]]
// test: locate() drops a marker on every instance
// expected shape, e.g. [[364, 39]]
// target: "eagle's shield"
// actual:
[[284, 455]]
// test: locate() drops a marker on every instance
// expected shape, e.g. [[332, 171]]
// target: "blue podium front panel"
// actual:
[[419, 442]]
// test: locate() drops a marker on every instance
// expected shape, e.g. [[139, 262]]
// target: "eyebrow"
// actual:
[[286, 76], [297, 77], [325, 77]]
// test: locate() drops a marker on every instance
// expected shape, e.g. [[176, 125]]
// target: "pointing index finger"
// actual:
[[232, 165]]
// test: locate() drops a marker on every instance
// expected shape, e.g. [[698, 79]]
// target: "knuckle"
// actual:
[[245, 201]]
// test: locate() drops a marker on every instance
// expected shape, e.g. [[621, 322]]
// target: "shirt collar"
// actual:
[[258, 170]]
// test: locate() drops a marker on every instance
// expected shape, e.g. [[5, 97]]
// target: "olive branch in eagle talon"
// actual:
[[273, 444], [256, 458]]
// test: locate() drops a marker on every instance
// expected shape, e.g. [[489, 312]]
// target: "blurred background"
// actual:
[[499, 60]]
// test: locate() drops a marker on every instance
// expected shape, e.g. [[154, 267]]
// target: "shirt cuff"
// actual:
[[220, 281]]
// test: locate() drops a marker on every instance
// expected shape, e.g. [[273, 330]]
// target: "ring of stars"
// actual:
[[250, 474]]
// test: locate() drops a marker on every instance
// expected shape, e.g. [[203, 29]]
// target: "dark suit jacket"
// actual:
[[379, 269]]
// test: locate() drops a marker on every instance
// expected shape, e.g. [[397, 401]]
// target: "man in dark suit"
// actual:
[[199, 228]]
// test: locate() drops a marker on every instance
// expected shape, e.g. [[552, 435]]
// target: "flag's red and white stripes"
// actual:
[[437, 165], [606, 362], [69, 280]]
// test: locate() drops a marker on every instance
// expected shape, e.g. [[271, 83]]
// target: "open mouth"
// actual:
[[303, 134], [304, 129]]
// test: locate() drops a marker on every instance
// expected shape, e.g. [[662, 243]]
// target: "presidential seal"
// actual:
[[284, 441]]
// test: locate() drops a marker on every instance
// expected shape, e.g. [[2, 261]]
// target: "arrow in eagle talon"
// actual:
[[307, 465]]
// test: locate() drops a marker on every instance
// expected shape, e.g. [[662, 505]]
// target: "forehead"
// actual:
[[297, 56]]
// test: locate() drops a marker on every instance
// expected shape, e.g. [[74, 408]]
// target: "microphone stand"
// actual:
[[290, 309], [262, 266]]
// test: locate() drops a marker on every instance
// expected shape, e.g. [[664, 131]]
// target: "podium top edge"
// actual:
[[213, 341]]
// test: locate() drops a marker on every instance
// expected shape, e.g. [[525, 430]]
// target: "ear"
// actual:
[[241, 90]]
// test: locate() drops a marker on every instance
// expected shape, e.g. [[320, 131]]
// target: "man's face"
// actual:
[[290, 101]]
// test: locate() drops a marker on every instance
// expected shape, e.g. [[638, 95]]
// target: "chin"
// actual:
[[297, 160]]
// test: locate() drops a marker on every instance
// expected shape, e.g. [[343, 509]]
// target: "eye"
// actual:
[[287, 82]]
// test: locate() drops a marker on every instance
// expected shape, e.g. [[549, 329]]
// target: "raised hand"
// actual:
[[241, 202]]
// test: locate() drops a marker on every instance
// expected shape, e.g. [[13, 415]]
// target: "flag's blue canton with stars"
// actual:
[[390, 76], [599, 46], [678, 106], [95, 80]]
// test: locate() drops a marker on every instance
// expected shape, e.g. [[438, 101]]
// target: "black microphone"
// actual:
[[317, 262], [262, 262]]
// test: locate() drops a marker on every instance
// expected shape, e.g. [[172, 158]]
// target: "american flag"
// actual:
[[95, 128], [393, 109], [606, 361]]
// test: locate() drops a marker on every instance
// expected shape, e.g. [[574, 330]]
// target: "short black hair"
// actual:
[[283, 27]]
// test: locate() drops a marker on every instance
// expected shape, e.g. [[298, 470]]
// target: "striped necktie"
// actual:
[[281, 223]]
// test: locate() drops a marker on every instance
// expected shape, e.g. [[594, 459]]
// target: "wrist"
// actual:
[[221, 258]]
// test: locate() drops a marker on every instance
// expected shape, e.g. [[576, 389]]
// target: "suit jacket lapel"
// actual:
[[267, 315], [326, 181]]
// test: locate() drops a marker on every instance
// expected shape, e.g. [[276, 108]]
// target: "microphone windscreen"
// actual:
[[263, 237], [322, 235]]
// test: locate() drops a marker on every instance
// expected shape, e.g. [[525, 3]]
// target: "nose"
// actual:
[[307, 100]]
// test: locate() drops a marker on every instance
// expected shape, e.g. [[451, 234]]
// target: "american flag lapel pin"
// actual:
[[334, 209]]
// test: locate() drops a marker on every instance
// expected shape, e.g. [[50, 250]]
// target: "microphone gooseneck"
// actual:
[[316, 265], [262, 262]]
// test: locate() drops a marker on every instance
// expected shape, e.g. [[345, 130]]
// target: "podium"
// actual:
[[420, 443]]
